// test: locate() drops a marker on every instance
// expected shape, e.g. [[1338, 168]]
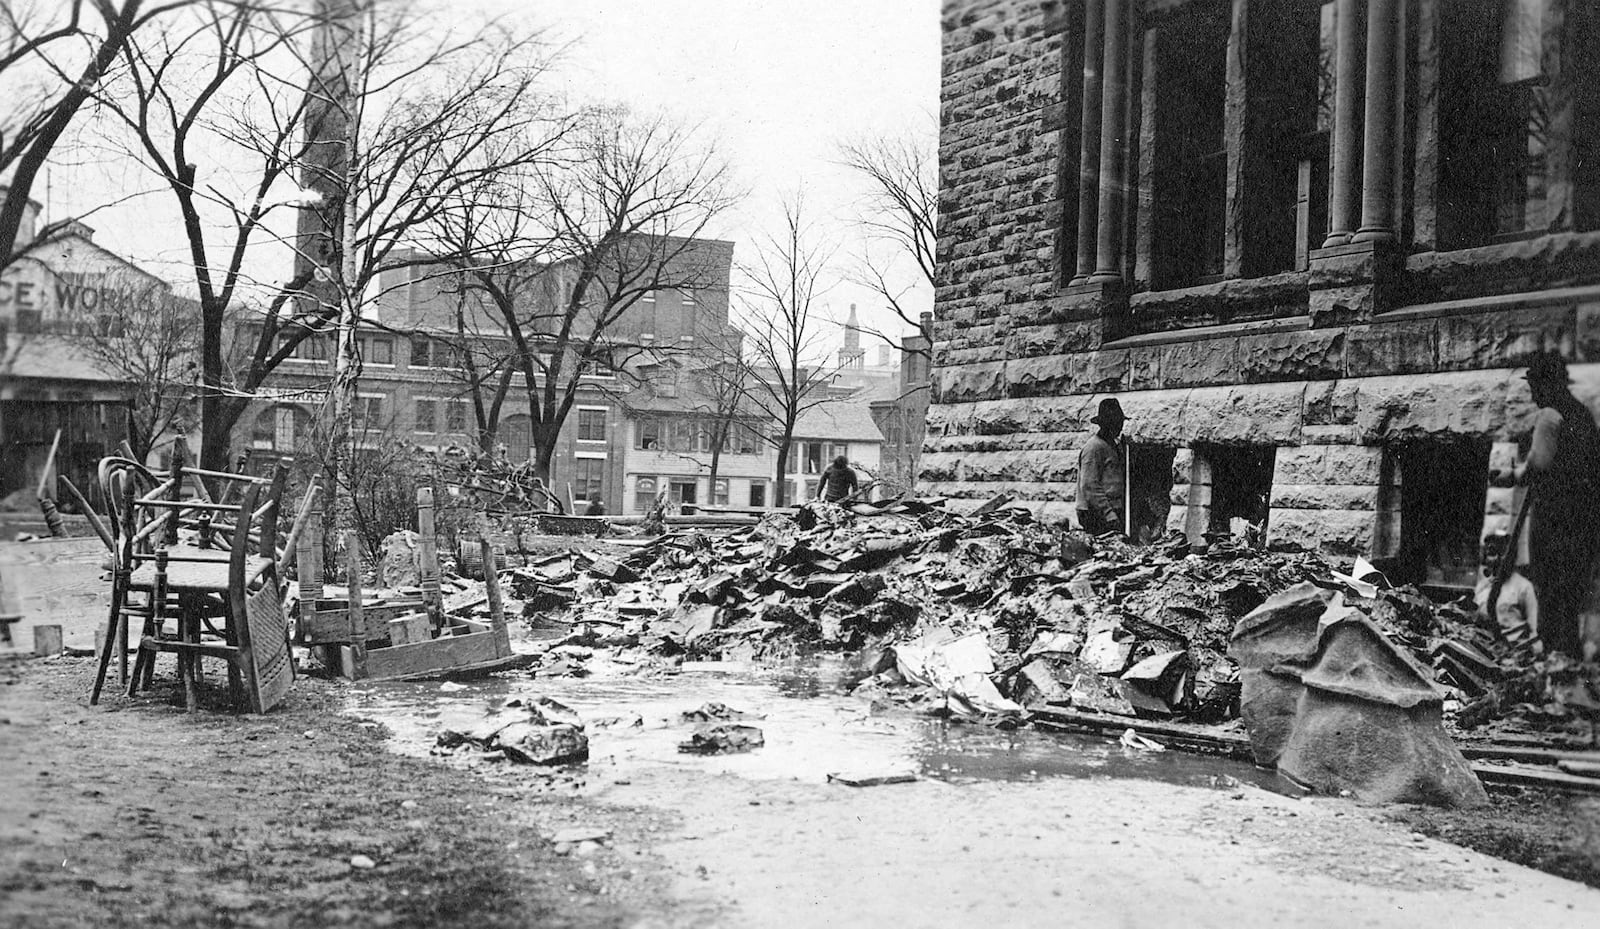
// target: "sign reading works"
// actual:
[[37, 298]]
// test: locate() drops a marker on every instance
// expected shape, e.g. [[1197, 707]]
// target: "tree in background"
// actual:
[[902, 175], [564, 248], [783, 340], [53, 58]]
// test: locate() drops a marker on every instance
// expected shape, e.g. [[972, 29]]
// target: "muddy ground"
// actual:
[[134, 812], [139, 813]]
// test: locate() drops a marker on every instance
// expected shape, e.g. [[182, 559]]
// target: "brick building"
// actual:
[[1306, 244]]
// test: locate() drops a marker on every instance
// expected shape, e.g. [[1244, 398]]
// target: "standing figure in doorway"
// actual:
[[1102, 476], [1562, 472]]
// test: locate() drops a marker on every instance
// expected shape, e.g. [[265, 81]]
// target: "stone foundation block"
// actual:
[[1327, 464], [1339, 534], [1325, 496]]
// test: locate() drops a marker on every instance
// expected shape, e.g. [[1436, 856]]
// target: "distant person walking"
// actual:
[[1562, 472], [838, 482], [1102, 478]]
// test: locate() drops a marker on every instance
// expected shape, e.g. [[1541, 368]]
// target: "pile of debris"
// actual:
[[994, 613]]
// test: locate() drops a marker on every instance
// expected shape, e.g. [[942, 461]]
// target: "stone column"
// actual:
[[1350, 53], [1113, 144], [1379, 143], [1089, 159]]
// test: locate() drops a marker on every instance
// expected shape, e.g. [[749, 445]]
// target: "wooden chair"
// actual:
[[253, 640], [156, 577]]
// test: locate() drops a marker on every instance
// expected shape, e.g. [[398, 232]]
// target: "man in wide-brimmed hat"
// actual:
[[1562, 472], [1102, 478]]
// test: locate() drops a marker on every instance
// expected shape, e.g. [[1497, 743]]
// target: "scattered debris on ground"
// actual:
[[723, 739], [538, 731], [993, 615]]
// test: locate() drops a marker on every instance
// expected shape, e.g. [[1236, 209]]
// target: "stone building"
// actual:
[[1307, 245]]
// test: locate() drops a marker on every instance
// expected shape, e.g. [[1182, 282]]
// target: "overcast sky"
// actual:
[[776, 82]]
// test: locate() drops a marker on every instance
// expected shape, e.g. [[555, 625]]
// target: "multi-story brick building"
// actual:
[[1306, 244], [633, 432]]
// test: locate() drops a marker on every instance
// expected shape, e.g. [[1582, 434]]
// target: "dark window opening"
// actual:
[[1284, 168], [682, 492], [1150, 490], [1241, 485], [1441, 511], [1494, 121], [758, 493], [1191, 160]]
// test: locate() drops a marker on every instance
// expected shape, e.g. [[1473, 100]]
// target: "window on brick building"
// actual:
[[517, 434], [588, 479], [591, 424], [758, 493], [719, 493], [455, 417], [426, 419]]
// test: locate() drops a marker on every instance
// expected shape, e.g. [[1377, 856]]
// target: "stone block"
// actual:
[[984, 381], [1470, 403], [1266, 414], [1330, 403], [1339, 534], [1325, 496], [1313, 354], [1504, 337], [1392, 348], [1327, 464], [1201, 363], [1043, 375]]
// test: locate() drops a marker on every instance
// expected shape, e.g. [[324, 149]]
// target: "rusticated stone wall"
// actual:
[[1334, 365]]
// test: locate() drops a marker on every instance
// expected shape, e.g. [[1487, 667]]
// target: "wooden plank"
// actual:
[[1526, 776], [1183, 735], [439, 654]]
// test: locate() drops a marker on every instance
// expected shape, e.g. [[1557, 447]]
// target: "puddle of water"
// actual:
[[811, 727]]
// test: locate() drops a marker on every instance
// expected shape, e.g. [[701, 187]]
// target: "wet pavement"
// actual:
[[812, 728]]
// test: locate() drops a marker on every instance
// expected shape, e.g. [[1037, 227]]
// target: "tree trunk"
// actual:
[[780, 491], [545, 437]]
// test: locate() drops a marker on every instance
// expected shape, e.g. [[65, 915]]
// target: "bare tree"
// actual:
[[581, 239], [218, 87], [53, 57], [902, 175], [787, 279]]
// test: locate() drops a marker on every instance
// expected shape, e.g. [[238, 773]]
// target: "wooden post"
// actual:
[[358, 623], [308, 557], [95, 522], [497, 608], [428, 545], [175, 493]]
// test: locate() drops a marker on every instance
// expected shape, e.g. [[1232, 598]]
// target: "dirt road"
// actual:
[[135, 812]]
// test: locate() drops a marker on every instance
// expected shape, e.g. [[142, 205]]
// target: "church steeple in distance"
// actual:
[[851, 356]]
